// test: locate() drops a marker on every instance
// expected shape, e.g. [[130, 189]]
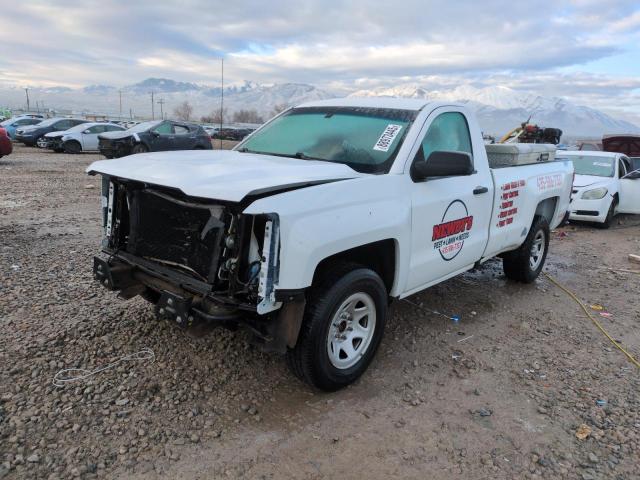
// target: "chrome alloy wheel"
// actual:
[[537, 250], [351, 330]]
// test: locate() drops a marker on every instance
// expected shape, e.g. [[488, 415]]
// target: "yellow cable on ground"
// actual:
[[593, 319]]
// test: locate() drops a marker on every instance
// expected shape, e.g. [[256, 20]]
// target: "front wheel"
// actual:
[[609, 218], [342, 328], [72, 147], [139, 148], [525, 263]]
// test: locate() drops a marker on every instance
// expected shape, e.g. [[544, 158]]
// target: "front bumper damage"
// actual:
[[200, 264]]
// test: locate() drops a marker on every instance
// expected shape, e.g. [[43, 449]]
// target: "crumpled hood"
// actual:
[[55, 134], [116, 135], [221, 175], [589, 180]]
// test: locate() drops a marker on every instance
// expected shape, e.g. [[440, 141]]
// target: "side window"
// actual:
[[63, 125], [449, 132], [164, 129], [96, 129], [180, 130], [626, 165]]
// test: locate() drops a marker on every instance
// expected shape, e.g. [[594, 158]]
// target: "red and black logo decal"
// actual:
[[449, 236]]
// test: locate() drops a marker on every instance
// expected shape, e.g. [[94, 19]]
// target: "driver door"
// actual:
[[90, 137], [450, 215], [163, 140], [629, 201]]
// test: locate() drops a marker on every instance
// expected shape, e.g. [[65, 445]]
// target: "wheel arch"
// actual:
[[547, 209], [380, 256]]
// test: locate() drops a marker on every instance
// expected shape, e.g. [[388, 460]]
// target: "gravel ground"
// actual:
[[503, 394]]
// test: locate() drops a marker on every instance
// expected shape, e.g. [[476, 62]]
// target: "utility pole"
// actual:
[[37, 107], [221, 97], [153, 111], [26, 90], [130, 114], [120, 94], [161, 102]]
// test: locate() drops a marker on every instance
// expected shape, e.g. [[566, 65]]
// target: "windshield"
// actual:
[[592, 165], [366, 139], [141, 127]]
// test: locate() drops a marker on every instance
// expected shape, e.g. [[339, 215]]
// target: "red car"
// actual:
[[5, 143]]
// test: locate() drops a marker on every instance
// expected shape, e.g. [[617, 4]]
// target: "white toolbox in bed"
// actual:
[[513, 154]]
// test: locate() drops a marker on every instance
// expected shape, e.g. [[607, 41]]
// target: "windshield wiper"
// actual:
[[304, 156]]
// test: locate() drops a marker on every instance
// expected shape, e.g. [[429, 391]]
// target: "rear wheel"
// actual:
[[140, 148], [525, 263], [72, 147], [342, 328]]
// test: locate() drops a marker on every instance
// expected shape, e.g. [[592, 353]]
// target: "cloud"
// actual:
[[334, 43]]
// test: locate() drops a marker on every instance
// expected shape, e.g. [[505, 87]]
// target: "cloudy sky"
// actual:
[[585, 50]]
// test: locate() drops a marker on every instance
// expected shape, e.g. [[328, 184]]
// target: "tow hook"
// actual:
[[175, 308], [112, 277]]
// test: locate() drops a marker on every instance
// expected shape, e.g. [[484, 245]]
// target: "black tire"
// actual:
[[139, 148], [73, 147], [517, 265], [609, 218], [309, 359]]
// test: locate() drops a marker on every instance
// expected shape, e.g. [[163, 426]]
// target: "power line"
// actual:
[[221, 98], [161, 102]]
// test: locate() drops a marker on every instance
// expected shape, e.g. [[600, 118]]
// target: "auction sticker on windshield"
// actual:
[[388, 136]]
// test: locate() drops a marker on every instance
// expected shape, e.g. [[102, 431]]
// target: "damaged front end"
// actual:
[[200, 262]]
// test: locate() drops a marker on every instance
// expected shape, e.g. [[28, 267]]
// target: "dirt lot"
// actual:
[[499, 395]]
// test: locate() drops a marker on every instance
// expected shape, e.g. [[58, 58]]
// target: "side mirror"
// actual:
[[632, 175], [154, 133], [86, 131], [442, 164]]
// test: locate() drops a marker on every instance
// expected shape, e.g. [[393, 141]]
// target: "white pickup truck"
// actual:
[[306, 230]]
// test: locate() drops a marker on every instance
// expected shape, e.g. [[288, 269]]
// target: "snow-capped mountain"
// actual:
[[499, 108]]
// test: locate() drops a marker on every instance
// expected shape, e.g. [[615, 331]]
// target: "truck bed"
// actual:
[[518, 193]]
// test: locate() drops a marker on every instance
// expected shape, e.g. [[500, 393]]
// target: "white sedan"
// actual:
[[81, 138], [605, 184]]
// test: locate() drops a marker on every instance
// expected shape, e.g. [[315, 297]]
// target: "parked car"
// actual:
[[81, 138], [605, 184], [14, 123], [236, 134], [5, 143], [304, 231], [154, 136], [31, 134], [211, 131]]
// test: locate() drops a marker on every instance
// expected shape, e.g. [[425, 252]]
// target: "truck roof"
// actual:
[[415, 104]]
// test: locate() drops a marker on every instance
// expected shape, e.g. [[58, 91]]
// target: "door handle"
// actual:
[[480, 190]]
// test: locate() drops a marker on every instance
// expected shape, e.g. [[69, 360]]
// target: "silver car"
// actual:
[[81, 138]]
